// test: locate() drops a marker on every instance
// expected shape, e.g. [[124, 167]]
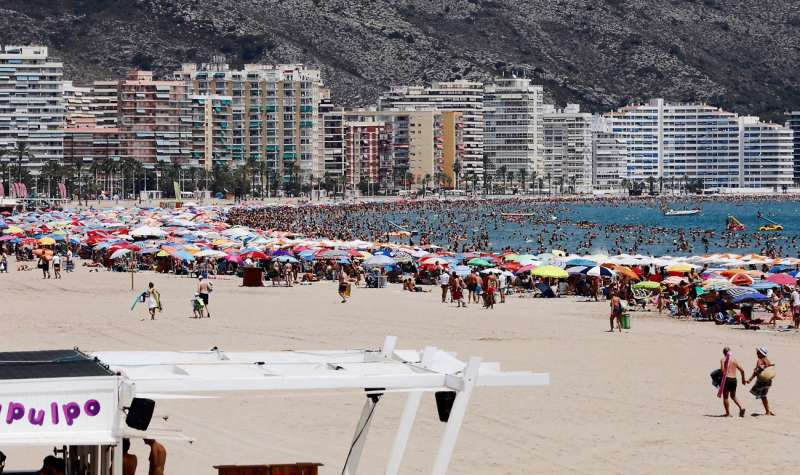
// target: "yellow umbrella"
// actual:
[[59, 231], [627, 272], [14, 230], [162, 253], [552, 272], [47, 241], [683, 268]]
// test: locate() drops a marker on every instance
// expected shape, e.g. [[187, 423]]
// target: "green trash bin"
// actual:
[[625, 321]]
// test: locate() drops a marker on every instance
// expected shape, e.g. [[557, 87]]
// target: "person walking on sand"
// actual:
[[457, 290], [203, 289], [727, 388], [344, 284], [764, 373], [616, 313], [153, 300], [444, 283], [57, 265]]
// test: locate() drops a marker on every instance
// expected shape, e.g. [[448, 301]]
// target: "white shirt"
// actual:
[[56, 260], [444, 278], [795, 298]]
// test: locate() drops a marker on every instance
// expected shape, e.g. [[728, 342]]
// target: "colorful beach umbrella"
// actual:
[[647, 284], [783, 279], [551, 272]]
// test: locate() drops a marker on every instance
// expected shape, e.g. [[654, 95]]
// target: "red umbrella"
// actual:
[[255, 255], [783, 279]]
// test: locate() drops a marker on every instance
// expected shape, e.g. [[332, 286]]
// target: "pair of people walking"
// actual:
[[725, 378]]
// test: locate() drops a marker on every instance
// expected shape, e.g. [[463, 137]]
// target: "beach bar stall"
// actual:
[[66, 400]]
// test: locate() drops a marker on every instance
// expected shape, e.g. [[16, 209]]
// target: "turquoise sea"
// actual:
[[633, 228]]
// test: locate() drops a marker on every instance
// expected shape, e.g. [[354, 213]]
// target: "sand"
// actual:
[[636, 402]]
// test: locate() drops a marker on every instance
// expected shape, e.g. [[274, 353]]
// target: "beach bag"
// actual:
[[767, 374], [716, 377]]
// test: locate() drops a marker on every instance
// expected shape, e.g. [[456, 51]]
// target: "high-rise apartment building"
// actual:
[[794, 124], [512, 113], [567, 149], [154, 120], [104, 103], [609, 156], [697, 141], [263, 113], [673, 141], [32, 104], [766, 155], [415, 144], [463, 97]]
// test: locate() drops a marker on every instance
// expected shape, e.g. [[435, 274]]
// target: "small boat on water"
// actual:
[[734, 224], [771, 227], [681, 212]]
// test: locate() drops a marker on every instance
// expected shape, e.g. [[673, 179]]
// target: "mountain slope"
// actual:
[[740, 54]]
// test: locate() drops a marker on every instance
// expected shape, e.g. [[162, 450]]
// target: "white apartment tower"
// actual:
[[567, 149], [512, 114], [32, 106], [673, 141], [609, 156], [263, 113], [794, 124], [465, 97], [766, 155]]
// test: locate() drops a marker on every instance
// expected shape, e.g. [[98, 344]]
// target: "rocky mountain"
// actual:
[[740, 54]]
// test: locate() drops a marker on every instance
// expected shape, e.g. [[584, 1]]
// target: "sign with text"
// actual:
[[68, 409]]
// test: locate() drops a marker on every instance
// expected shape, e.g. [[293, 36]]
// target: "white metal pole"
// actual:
[[116, 468], [457, 413], [360, 436], [407, 421], [403, 433]]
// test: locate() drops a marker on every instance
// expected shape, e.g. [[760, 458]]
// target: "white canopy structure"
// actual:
[[86, 401], [161, 375]]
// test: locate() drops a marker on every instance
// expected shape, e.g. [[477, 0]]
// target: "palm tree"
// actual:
[[572, 181], [51, 171], [510, 175], [457, 171], [408, 177], [541, 184], [549, 188], [21, 152], [523, 175], [425, 181], [502, 171]]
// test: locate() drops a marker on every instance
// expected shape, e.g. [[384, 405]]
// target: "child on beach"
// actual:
[[198, 306]]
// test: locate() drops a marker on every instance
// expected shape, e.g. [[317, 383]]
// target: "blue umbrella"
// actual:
[[581, 262], [764, 285], [781, 268], [750, 297]]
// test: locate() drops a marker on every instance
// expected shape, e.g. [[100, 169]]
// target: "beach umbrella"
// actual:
[[13, 230], [286, 258], [781, 268], [764, 285], [647, 284], [577, 270], [47, 241], [552, 272], [493, 270], [783, 279], [120, 253], [581, 262], [741, 279], [255, 255], [732, 272], [479, 262], [462, 271], [627, 272], [379, 261], [717, 284], [674, 280], [436, 260], [525, 269], [598, 271], [680, 268]]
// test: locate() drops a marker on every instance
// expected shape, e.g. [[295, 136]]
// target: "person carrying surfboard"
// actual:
[[153, 300]]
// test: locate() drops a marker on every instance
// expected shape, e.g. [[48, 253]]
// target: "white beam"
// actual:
[[360, 437], [457, 413], [407, 421]]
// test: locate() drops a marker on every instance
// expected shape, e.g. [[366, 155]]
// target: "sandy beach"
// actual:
[[636, 402]]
